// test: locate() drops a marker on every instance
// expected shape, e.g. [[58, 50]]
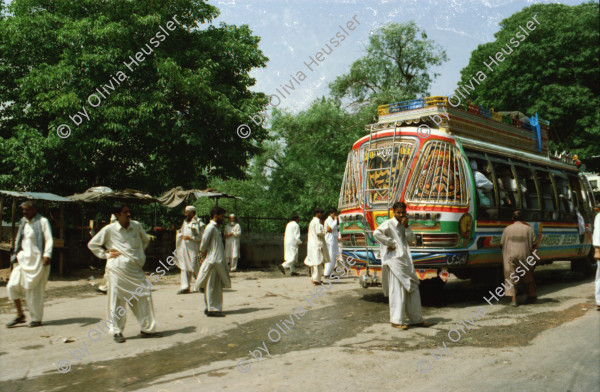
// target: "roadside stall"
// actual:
[[47, 198]]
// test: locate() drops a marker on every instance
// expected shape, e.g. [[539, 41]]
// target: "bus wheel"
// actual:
[[586, 266], [487, 277], [432, 286]]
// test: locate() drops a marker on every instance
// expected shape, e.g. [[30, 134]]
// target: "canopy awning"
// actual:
[[174, 197], [36, 196], [95, 194]]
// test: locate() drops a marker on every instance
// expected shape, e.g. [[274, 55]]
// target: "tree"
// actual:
[[554, 72], [308, 171], [169, 119], [395, 68]]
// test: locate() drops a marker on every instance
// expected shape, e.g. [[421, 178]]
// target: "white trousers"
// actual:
[[104, 285], [290, 264], [34, 297], [405, 307], [213, 292], [598, 284], [186, 279], [141, 307], [232, 263], [317, 273]]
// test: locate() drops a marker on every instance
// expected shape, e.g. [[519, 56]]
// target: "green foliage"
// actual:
[[554, 72], [173, 120], [395, 68], [310, 168]]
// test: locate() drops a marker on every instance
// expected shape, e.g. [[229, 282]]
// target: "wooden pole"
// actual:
[[1, 209], [62, 237], [14, 216]]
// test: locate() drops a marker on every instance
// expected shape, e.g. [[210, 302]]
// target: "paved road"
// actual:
[[339, 341]]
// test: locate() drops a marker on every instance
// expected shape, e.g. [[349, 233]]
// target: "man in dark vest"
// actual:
[[31, 260]]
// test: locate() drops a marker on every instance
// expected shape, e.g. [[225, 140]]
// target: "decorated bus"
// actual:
[[427, 152]]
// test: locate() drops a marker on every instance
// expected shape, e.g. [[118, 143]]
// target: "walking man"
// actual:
[[400, 282], [233, 232], [188, 248], [518, 243], [31, 260], [317, 254], [291, 243], [331, 238], [123, 243], [213, 276]]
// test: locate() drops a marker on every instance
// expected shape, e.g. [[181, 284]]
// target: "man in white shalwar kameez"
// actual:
[[291, 243], [213, 276], [233, 232], [103, 287], [188, 248], [31, 260], [482, 184], [316, 249], [400, 282], [331, 238], [123, 243]]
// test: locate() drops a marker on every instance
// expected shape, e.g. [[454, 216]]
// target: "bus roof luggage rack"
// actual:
[[510, 129]]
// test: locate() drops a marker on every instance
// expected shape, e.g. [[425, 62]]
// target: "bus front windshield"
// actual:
[[439, 177]]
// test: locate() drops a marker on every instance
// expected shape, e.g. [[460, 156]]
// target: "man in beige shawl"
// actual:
[[316, 249], [518, 242], [213, 276]]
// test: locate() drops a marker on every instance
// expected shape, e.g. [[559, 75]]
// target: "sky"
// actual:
[[291, 31]]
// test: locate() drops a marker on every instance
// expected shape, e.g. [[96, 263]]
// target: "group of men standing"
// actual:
[[123, 242], [322, 246]]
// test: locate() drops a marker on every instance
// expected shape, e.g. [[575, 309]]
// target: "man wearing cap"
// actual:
[[31, 260], [233, 232], [188, 247]]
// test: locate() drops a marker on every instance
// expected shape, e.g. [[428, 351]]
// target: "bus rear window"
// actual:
[[439, 177]]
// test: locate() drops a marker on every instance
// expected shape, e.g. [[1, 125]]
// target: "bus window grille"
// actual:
[[439, 177]]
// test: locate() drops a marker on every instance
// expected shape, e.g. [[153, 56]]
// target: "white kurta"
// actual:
[[596, 243], [400, 282], [125, 274], [213, 275], [29, 276], [483, 184], [188, 250], [291, 242], [232, 244], [332, 243], [316, 247]]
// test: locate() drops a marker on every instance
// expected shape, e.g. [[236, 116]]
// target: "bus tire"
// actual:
[[487, 276], [586, 266], [431, 286]]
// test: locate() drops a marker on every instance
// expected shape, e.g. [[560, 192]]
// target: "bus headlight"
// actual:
[[465, 225]]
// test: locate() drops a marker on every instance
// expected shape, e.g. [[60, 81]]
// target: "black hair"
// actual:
[[118, 207], [295, 217], [517, 215], [319, 210], [399, 204], [216, 211], [332, 210]]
